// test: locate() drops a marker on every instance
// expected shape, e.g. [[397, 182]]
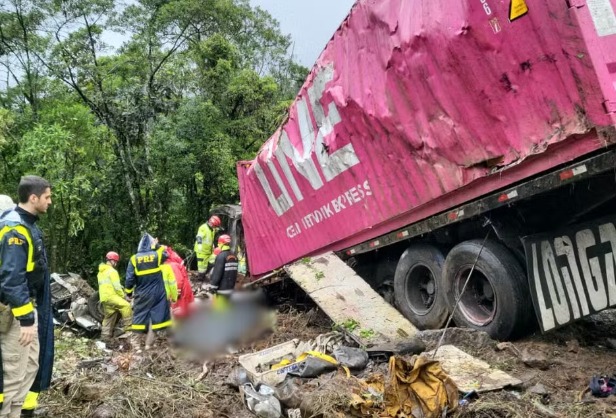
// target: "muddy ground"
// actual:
[[90, 382]]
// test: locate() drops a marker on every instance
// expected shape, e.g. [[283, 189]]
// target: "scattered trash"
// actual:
[[418, 387], [256, 364], [102, 381], [403, 348], [325, 343], [370, 396], [75, 304], [289, 392], [313, 364], [467, 398], [294, 413], [89, 363], [353, 358], [603, 386], [262, 403], [110, 368], [237, 377]]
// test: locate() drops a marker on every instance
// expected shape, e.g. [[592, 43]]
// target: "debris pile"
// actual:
[[308, 367]]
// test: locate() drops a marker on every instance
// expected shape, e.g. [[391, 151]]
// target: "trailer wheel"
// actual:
[[496, 299], [418, 287]]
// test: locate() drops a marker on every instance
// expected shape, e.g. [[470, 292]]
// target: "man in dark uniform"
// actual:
[[27, 343], [224, 274], [144, 279]]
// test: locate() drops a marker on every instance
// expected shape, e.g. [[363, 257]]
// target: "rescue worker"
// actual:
[[184, 289], [171, 286], [211, 261], [26, 346], [224, 274], [204, 244], [150, 285], [111, 294]]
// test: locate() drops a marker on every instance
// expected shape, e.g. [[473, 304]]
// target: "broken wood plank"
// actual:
[[347, 299], [470, 373]]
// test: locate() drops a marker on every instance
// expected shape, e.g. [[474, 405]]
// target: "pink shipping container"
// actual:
[[418, 106]]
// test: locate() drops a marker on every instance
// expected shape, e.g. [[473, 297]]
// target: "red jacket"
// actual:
[[185, 293]]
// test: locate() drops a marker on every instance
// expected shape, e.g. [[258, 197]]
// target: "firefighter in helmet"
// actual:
[[204, 244], [111, 293]]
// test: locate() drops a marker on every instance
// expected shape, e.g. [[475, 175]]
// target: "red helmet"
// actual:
[[113, 256], [214, 221], [224, 239]]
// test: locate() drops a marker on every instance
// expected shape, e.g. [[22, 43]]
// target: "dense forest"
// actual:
[[140, 137]]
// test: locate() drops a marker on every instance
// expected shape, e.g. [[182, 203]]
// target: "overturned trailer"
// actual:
[[426, 126]]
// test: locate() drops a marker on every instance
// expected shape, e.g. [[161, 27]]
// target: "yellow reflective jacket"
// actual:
[[108, 283], [205, 241], [171, 286]]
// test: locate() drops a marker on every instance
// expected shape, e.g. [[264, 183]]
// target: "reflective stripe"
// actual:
[[138, 327], [26, 233], [162, 325], [145, 272], [23, 310], [1, 397], [31, 401], [128, 291], [105, 281]]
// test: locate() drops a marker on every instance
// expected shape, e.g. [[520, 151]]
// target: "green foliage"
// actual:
[[140, 138], [366, 333], [350, 325]]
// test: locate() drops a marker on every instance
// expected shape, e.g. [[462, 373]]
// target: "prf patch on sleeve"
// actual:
[[16, 241]]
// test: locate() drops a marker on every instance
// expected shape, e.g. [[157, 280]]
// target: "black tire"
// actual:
[[95, 307], [497, 297], [418, 287]]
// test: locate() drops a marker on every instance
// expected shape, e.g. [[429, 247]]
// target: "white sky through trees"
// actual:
[[311, 23]]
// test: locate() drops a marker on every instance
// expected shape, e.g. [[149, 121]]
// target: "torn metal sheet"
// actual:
[[470, 373], [347, 299]]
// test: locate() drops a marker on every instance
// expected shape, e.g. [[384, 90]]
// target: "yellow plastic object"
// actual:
[[281, 364]]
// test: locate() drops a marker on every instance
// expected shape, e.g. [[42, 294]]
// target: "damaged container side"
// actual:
[[417, 106]]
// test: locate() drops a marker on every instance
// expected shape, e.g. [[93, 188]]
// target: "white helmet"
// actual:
[[6, 202]]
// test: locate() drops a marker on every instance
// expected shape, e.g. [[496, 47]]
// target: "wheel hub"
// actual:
[[478, 303], [420, 289]]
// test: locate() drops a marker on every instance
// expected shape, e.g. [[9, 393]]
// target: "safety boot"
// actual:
[[149, 338], [125, 326], [135, 340]]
